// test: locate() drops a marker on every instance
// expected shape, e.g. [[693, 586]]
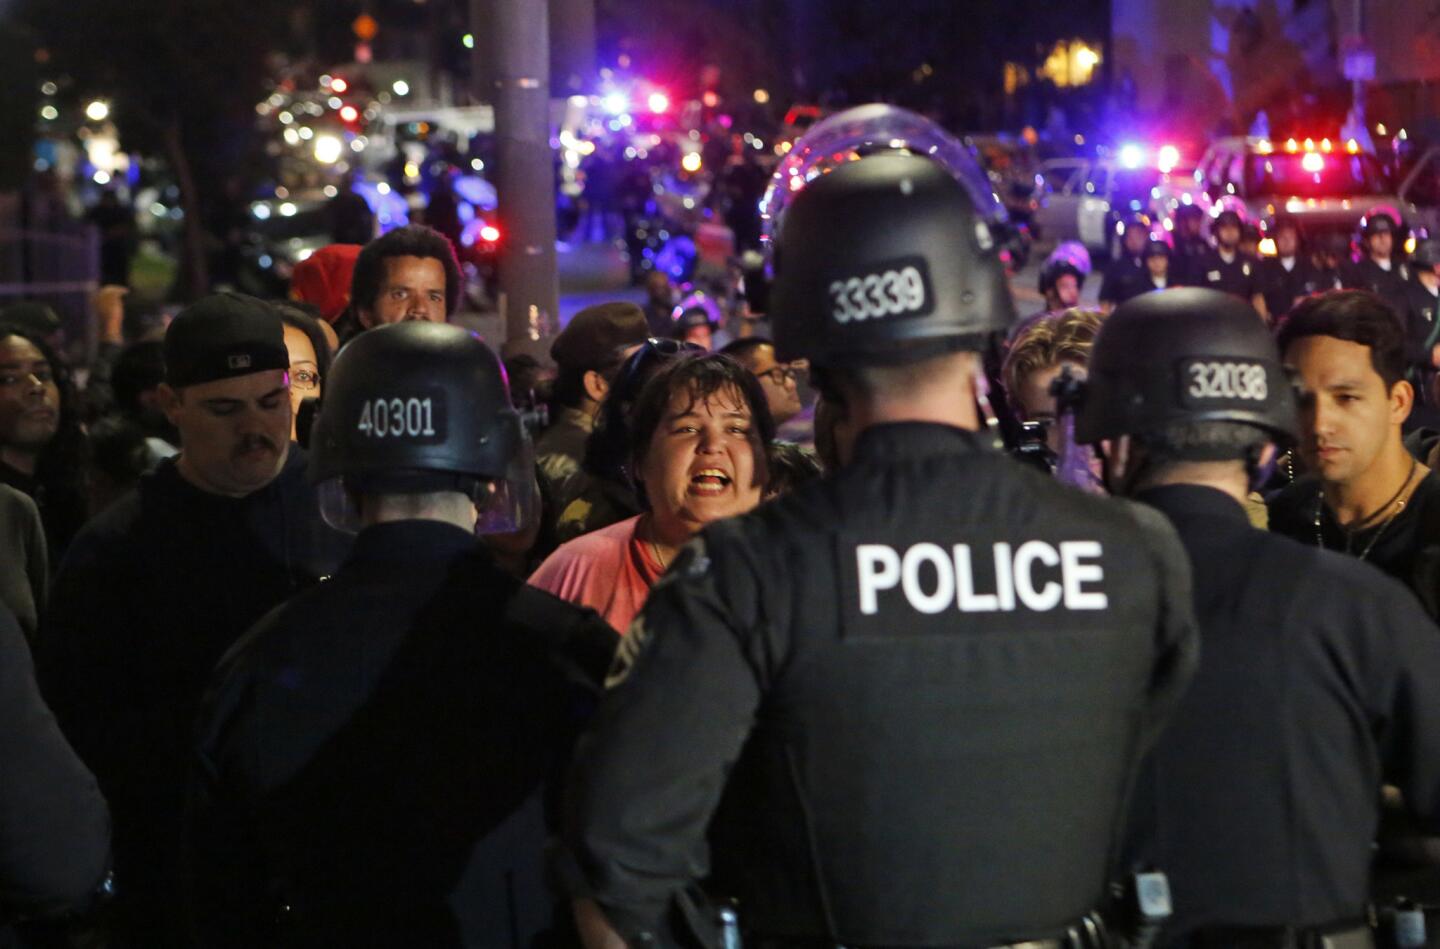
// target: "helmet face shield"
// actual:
[[337, 506], [883, 241], [514, 503], [505, 506], [868, 130]]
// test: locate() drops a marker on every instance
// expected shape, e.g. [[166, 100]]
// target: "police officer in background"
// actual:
[[905, 700], [1190, 242], [1289, 276], [1378, 269], [1422, 307], [1063, 276], [1126, 276], [374, 753], [1224, 267], [1261, 799]]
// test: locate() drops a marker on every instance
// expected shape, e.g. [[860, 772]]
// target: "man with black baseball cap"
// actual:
[[155, 589]]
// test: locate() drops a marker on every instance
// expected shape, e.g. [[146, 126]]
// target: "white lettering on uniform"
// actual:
[[1040, 601], [879, 570], [944, 594], [1074, 573], [968, 600], [881, 567]]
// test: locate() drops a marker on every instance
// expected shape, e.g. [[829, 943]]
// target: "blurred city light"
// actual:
[[328, 149], [97, 111], [1131, 155], [401, 87], [339, 85], [691, 162], [615, 102], [659, 102], [349, 113], [1167, 158]]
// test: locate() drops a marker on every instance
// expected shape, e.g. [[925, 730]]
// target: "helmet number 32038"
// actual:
[[878, 295], [397, 418], [1228, 380]]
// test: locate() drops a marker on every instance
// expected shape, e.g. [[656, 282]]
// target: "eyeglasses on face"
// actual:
[[306, 380]]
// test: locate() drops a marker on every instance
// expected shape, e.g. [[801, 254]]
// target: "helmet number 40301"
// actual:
[[397, 418]]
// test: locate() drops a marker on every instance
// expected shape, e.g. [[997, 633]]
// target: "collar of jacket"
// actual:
[[412, 541], [166, 481], [916, 440], [1181, 501]]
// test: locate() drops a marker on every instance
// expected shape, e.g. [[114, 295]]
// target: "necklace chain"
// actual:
[[1397, 502]]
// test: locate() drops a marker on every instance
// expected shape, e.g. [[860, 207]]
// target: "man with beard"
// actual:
[[155, 590]]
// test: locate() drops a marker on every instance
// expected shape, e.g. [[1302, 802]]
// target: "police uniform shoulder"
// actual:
[[1152, 523]]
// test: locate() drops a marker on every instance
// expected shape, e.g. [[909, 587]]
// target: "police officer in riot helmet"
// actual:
[[1223, 267], [1289, 276], [883, 694], [1063, 276], [1126, 276], [1157, 265], [1261, 799], [374, 754], [1380, 268]]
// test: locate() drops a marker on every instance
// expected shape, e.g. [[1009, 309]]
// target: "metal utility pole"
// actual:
[[512, 71]]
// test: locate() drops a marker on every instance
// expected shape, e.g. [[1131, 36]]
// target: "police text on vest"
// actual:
[[1034, 575]]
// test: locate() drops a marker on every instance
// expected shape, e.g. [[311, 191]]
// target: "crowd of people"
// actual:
[[312, 635]]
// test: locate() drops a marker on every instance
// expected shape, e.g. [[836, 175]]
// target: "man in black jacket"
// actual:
[[155, 590], [904, 701], [375, 754], [1261, 799]]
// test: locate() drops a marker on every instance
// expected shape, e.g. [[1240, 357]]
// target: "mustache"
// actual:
[[249, 443]]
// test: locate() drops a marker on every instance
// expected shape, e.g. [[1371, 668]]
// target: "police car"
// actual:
[[1326, 184], [1081, 199]]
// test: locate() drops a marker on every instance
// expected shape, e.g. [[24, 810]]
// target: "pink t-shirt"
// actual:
[[609, 570]]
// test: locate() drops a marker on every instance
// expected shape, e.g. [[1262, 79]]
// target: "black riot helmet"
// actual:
[[1184, 355], [419, 406], [1427, 254], [885, 259], [1070, 257], [884, 240]]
